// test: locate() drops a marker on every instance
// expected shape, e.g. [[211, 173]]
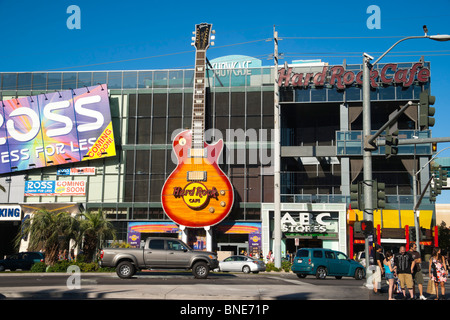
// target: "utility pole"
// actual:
[[277, 158], [367, 157]]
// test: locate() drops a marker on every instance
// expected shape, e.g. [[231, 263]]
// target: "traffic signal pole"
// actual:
[[367, 158]]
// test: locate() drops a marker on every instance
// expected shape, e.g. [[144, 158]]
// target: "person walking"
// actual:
[[404, 263], [389, 273], [379, 269], [438, 272], [417, 273]]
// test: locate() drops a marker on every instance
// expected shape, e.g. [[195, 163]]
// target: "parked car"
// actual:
[[159, 253], [322, 262], [21, 260], [242, 264]]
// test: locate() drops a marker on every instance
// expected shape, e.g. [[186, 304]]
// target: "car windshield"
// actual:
[[302, 253]]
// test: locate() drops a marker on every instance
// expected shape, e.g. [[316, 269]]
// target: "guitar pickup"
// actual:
[[197, 153], [196, 176]]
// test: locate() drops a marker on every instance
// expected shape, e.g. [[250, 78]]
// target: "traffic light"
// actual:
[[379, 195], [412, 234], [443, 177], [356, 201], [364, 226], [391, 146], [426, 119]]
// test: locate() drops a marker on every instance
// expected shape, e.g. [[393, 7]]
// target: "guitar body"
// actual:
[[197, 193]]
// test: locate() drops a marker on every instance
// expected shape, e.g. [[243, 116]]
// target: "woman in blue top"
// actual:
[[389, 272]]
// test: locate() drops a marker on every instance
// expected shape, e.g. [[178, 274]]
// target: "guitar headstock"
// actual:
[[203, 36]]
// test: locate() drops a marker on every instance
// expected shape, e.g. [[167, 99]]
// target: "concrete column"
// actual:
[[208, 238]]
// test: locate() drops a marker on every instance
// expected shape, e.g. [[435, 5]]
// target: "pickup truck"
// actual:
[[159, 253]]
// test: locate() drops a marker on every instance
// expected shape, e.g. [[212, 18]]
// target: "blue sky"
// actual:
[[156, 35]]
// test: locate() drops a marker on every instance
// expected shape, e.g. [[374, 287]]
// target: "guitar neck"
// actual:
[[198, 108]]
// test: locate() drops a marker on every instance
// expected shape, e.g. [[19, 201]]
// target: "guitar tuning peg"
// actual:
[[213, 37], [193, 32], [192, 44], [193, 38], [212, 43], [213, 31]]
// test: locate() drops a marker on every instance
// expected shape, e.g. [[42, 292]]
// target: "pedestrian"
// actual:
[[379, 269], [404, 263], [389, 273], [438, 272], [417, 273]]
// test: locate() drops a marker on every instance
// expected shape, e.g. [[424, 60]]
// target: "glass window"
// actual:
[[84, 79], [99, 77], [317, 254], [54, 81], [69, 80], [175, 245], [114, 80], [156, 244], [39, 81], [145, 79], [176, 79], [9, 81], [341, 256], [160, 79], [330, 255], [302, 253], [24, 81], [130, 79]]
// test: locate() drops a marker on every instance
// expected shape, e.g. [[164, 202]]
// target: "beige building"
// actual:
[[443, 213]]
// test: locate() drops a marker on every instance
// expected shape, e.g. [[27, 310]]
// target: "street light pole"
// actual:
[[367, 153]]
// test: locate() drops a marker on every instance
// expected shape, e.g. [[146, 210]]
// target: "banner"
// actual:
[[55, 188], [55, 128]]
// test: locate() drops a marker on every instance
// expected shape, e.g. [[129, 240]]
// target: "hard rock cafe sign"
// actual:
[[337, 76], [195, 194]]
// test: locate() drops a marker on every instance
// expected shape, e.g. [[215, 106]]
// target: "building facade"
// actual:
[[321, 151]]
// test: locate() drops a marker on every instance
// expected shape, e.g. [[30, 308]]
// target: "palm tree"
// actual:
[[46, 230], [94, 229]]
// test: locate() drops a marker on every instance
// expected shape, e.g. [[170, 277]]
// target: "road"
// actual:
[[182, 286], [177, 295]]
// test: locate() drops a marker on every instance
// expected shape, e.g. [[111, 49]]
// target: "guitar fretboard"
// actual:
[[198, 108]]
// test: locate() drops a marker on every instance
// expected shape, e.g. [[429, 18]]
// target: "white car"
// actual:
[[242, 264]]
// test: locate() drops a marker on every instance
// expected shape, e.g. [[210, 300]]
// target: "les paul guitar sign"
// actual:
[[197, 193]]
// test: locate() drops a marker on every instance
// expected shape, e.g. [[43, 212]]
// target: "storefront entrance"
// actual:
[[8, 231]]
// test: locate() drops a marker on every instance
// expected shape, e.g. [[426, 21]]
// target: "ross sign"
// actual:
[[306, 223], [10, 213], [55, 188], [84, 171], [341, 78], [55, 128]]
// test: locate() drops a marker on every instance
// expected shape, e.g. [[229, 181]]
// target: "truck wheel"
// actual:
[[200, 270], [321, 273], [359, 274], [125, 270]]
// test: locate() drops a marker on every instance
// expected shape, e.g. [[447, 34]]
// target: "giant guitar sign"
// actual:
[[197, 193]]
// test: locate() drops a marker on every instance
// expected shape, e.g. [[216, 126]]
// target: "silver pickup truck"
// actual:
[[159, 253]]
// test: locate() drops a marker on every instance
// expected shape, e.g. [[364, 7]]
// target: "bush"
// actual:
[[38, 267], [285, 266], [59, 266]]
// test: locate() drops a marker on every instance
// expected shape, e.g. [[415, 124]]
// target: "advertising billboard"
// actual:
[[55, 128], [41, 188]]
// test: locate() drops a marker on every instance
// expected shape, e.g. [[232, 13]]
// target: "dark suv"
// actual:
[[21, 260]]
